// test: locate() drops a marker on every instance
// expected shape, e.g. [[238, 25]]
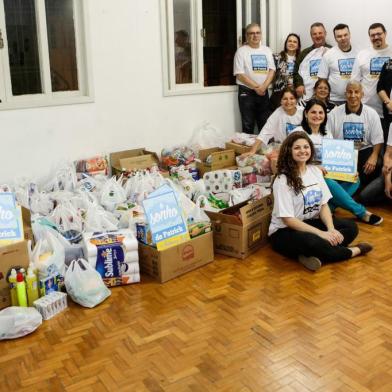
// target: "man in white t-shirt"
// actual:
[[360, 123], [337, 64], [254, 69], [368, 64]]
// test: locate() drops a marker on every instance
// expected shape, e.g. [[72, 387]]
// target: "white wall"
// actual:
[[129, 109], [359, 15]]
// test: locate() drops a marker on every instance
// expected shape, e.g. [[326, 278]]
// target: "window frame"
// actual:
[[84, 94], [170, 88]]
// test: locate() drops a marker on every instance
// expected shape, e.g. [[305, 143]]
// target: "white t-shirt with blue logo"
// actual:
[[364, 128], [306, 205], [254, 63], [280, 124], [336, 66], [366, 69]]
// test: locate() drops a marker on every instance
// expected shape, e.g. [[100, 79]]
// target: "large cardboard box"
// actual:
[[11, 256], [242, 229], [220, 159], [170, 263], [128, 160]]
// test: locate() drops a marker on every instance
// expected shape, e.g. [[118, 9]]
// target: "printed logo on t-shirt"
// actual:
[[345, 67], [259, 63], [353, 131], [290, 127], [290, 68], [314, 66], [312, 200], [376, 64]]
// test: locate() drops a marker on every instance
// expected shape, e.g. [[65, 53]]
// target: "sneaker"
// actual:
[[310, 262], [364, 247], [371, 219]]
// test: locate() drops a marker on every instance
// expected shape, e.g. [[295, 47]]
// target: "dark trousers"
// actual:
[[363, 156], [254, 109], [292, 243]]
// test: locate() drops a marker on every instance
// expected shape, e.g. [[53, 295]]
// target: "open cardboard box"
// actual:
[[242, 229], [123, 162], [177, 260], [220, 159]]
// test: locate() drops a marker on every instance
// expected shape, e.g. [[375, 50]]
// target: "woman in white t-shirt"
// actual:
[[302, 225], [282, 121], [314, 123]]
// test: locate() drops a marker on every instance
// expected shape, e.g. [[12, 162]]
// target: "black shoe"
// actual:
[[364, 247], [310, 262], [372, 219]]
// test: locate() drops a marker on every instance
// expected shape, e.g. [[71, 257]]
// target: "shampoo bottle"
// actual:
[[32, 286], [21, 289], [12, 281]]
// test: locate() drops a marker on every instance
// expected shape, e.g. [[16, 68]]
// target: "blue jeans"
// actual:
[[342, 192]]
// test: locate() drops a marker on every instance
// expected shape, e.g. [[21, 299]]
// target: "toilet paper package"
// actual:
[[114, 255], [220, 181]]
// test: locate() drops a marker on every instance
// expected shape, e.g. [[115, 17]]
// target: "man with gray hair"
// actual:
[[254, 69], [360, 123], [310, 69]]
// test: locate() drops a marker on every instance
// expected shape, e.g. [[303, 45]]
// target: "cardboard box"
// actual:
[[238, 148], [242, 229], [11, 256], [28, 231], [128, 160], [178, 260], [220, 159]]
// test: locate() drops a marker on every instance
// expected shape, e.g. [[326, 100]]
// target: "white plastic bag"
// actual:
[[84, 284], [49, 255], [206, 136], [112, 194], [18, 321]]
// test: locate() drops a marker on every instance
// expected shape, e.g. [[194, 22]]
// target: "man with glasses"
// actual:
[[254, 69], [368, 64]]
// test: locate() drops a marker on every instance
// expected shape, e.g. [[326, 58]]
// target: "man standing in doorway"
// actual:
[[318, 35], [254, 69], [337, 64], [368, 64]]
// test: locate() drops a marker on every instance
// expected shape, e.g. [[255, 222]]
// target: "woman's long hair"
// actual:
[[286, 164], [283, 53], [305, 125]]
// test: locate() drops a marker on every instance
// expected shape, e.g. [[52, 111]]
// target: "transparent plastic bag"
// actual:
[[206, 136], [18, 321], [84, 284]]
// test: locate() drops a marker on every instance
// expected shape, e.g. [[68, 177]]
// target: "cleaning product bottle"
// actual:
[[32, 286], [12, 281], [21, 289], [34, 269]]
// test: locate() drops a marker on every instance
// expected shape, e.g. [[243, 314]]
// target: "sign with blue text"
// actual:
[[339, 158], [167, 224], [11, 225]]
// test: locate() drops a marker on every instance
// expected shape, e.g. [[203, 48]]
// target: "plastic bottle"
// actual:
[[21, 289], [33, 268], [12, 281], [32, 286]]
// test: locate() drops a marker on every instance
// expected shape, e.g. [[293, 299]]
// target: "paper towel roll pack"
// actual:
[[114, 255]]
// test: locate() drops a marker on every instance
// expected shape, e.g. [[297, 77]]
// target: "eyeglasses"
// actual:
[[254, 33]]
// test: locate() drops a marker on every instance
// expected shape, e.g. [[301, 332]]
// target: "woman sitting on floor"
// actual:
[[302, 225]]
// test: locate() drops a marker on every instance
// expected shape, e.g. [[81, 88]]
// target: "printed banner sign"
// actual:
[[11, 225], [164, 216], [339, 158]]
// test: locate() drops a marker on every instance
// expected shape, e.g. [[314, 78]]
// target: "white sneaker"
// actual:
[[312, 262]]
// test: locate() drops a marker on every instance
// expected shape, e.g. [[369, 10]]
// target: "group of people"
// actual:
[[319, 92]]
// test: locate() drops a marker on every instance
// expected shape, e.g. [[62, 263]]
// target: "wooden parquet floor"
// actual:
[[263, 324]]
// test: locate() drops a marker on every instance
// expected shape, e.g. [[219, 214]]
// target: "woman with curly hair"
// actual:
[[302, 225]]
